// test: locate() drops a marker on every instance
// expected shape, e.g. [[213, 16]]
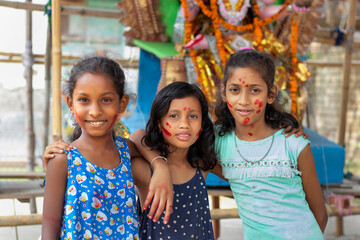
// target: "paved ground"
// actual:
[[229, 228]]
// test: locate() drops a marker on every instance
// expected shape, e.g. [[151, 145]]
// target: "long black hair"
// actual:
[[264, 65], [203, 148], [94, 65]]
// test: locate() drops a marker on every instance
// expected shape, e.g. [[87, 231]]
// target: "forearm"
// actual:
[[145, 151]]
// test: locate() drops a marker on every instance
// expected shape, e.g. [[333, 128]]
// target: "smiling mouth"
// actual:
[[244, 112], [183, 136], [96, 123]]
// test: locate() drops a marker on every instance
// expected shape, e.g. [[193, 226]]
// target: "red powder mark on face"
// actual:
[[229, 105], [77, 118], [250, 134], [166, 132], [261, 104], [252, 125], [243, 82], [240, 79], [184, 108], [246, 85], [256, 101], [168, 124], [114, 119], [246, 120], [258, 111], [198, 134]]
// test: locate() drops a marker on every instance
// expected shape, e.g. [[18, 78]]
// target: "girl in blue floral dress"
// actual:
[[89, 191]]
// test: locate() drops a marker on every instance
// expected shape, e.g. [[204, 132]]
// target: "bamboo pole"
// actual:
[[347, 70], [349, 46], [47, 79], [65, 60], [20, 220], [66, 10], [28, 63], [56, 67]]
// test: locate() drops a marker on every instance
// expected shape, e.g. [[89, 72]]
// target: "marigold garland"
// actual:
[[294, 61]]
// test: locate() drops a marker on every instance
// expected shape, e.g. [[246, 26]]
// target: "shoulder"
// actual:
[[295, 145], [132, 148], [60, 160]]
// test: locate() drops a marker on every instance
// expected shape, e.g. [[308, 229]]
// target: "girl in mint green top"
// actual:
[[273, 178]]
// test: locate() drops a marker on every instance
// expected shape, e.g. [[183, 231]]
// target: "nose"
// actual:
[[95, 110], [244, 98], [184, 122]]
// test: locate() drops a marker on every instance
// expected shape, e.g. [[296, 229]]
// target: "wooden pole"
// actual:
[[46, 119], [20, 220], [349, 46], [28, 63], [66, 10], [56, 67]]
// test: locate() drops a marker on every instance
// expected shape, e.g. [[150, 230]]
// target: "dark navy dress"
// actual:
[[190, 218]]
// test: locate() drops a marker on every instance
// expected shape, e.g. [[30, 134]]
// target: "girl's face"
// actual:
[[181, 126], [246, 95], [96, 104]]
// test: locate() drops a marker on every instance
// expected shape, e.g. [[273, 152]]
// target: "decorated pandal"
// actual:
[[205, 33]]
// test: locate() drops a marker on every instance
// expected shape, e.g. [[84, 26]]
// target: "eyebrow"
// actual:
[[85, 94]]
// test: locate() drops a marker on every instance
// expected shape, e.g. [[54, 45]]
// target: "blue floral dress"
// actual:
[[99, 203]]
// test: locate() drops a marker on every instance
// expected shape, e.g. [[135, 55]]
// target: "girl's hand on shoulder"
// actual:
[[297, 131], [160, 192], [54, 147]]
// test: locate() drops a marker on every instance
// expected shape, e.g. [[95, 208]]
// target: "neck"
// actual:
[[85, 141], [253, 132], [178, 157]]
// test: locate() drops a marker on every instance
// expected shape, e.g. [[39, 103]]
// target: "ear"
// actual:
[[70, 104], [273, 94], [124, 101], [222, 92]]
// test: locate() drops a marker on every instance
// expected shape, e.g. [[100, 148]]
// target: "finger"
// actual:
[[169, 208], [160, 208], [154, 206], [299, 133], [306, 136], [286, 130], [148, 199]]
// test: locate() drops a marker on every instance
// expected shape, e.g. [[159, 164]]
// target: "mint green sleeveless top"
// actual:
[[268, 192]]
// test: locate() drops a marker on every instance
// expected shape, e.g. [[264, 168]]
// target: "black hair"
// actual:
[[94, 65], [203, 148], [264, 65]]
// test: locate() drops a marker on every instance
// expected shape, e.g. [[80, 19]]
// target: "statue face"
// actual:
[[303, 3]]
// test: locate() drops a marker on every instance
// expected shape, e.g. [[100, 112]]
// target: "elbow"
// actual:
[[323, 221]]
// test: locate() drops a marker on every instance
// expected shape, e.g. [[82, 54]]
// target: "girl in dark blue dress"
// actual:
[[180, 130]]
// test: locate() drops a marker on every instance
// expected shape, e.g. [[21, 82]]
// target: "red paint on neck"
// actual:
[[252, 125], [250, 134], [246, 120], [166, 132]]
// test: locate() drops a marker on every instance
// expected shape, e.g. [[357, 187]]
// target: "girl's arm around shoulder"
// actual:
[[160, 187], [141, 172], [217, 170], [54, 194], [132, 149], [311, 185]]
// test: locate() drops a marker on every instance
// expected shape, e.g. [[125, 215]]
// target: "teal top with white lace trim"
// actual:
[[268, 192]]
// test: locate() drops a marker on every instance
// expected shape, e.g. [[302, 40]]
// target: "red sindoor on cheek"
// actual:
[[229, 105], [77, 118], [168, 124], [166, 131]]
